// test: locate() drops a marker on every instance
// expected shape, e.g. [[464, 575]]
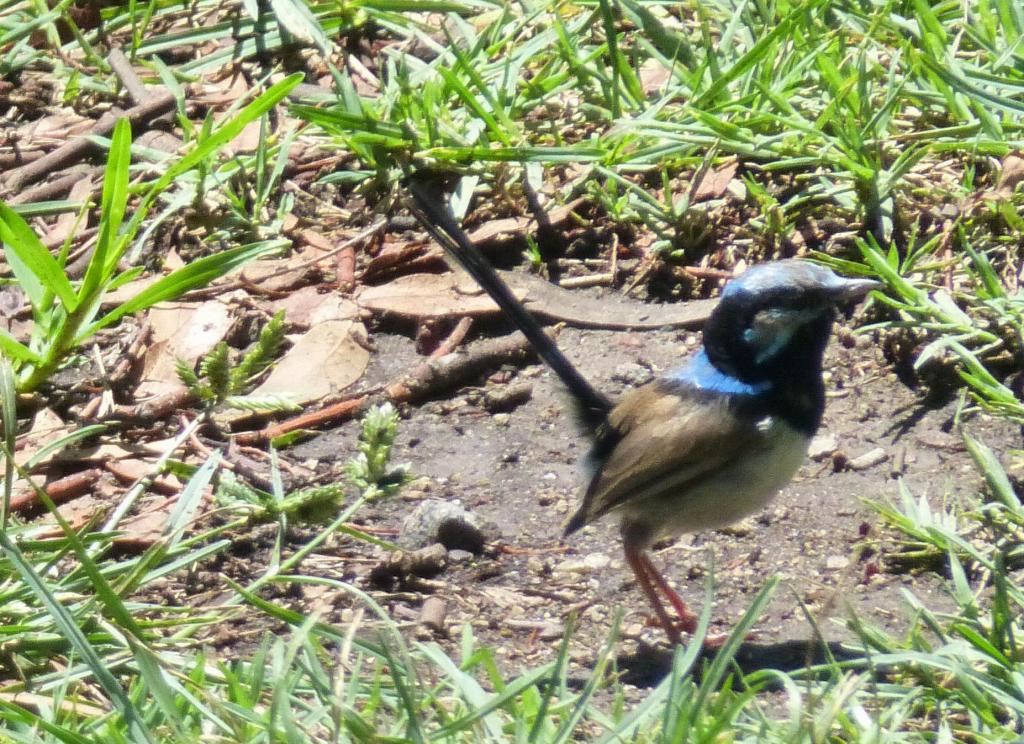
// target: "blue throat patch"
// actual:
[[702, 374]]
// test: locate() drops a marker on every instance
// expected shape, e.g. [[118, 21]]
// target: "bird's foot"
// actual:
[[675, 628], [715, 641]]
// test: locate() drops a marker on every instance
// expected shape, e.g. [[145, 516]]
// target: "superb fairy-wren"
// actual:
[[710, 443]]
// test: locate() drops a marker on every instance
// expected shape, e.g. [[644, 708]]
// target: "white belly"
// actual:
[[731, 494]]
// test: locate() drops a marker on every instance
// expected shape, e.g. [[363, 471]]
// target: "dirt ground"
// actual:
[[520, 471]]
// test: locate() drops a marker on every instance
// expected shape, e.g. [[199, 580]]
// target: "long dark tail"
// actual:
[[432, 212]]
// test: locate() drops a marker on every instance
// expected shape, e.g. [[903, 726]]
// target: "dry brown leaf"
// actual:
[[38, 703], [1012, 173], [180, 330], [653, 75], [147, 526], [65, 222], [246, 142], [326, 360], [157, 139], [55, 128], [506, 227], [281, 274], [427, 296], [127, 291], [104, 451], [47, 427], [309, 306], [715, 182]]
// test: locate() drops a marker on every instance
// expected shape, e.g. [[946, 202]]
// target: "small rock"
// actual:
[[551, 631], [633, 375], [941, 440], [433, 613], [400, 612], [633, 630], [587, 564], [836, 562], [507, 397], [744, 528], [822, 446], [868, 460], [449, 524], [459, 556]]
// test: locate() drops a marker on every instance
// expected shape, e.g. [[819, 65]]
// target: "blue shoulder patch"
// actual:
[[702, 374]]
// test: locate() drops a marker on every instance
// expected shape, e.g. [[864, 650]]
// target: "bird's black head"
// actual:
[[773, 322]]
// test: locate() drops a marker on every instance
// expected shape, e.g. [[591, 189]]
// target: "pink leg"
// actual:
[[687, 619], [642, 568]]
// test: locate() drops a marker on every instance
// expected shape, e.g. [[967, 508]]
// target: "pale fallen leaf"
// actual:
[[716, 182], [52, 128], [66, 222], [308, 306], [246, 142], [180, 330], [105, 451], [128, 291], [1011, 175], [146, 527], [47, 427], [653, 75], [280, 275], [325, 360], [157, 139], [39, 703], [427, 296]]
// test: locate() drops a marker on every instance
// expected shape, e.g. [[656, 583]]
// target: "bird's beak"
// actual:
[[854, 289]]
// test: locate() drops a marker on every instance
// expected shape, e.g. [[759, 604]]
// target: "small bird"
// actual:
[[706, 445]]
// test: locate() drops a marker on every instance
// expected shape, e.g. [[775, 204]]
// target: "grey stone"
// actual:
[[436, 521]]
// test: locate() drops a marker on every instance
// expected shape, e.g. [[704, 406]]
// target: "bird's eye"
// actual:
[[770, 330]]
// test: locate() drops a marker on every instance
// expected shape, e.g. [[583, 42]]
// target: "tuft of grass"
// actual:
[[369, 469]]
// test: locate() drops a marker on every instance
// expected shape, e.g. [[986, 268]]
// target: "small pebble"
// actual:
[[868, 460], [442, 521], [836, 562], [744, 528], [822, 446], [433, 613], [551, 631], [592, 562]]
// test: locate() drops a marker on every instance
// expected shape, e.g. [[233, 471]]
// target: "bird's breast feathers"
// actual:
[[685, 462]]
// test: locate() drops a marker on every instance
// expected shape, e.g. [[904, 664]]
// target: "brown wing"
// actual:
[[663, 441]]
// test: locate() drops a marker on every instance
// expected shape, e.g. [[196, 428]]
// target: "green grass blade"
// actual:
[[197, 274], [37, 271]]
